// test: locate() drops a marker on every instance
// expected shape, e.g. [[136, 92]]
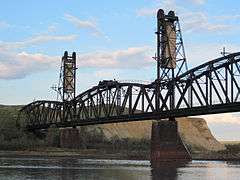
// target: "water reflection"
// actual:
[[167, 170], [91, 169]]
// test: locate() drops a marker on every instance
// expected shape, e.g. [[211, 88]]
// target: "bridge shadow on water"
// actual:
[[167, 170]]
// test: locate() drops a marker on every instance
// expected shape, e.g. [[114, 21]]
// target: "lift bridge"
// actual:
[[212, 87]]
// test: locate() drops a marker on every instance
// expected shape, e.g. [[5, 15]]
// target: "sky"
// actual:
[[112, 39]]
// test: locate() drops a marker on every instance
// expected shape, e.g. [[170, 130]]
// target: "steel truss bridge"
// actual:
[[213, 87]]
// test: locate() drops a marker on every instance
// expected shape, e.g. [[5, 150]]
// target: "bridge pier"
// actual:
[[166, 143], [70, 138], [52, 137]]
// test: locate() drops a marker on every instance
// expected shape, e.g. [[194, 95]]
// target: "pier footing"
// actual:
[[70, 138], [52, 137], [166, 143]]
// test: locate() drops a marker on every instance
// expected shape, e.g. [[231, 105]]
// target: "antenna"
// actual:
[[224, 53], [57, 89]]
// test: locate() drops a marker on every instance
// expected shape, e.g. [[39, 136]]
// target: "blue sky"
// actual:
[[113, 39]]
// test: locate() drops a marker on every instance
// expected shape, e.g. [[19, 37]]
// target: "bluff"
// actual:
[[193, 131]]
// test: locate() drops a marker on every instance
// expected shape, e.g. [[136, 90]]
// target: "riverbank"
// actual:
[[84, 153], [111, 141], [106, 154]]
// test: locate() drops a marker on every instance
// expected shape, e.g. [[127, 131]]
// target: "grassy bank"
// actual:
[[93, 142], [13, 137]]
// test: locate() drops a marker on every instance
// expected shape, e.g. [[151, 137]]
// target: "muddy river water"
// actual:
[[15, 168]]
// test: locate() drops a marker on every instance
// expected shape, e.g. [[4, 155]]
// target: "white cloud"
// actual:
[[166, 5], [228, 17], [85, 24], [52, 28], [199, 53], [199, 21], [191, 21], [48, 38], [3, 24], [15, 64], [104, 74], [18, 65], [198, 2], [81, 23], [44, 38], [129, 58], [147, 12]]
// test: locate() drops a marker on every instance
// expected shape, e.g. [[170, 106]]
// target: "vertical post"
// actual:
[[191, 95], [231, 72], [190, 91], [118, 89], [172, 89], [130, 100], [64, 59], [160, 19], [207, 103], [210, 93], [74, 79], [157, 94], [142, 99], [226, 83]]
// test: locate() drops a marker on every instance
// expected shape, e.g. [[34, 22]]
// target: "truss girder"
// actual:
[[213, 87]]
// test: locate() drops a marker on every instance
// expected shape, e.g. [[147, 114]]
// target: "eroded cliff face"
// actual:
[[194, 132]]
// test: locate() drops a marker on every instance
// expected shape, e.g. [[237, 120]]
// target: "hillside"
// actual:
[[194, 132], [12, 137]]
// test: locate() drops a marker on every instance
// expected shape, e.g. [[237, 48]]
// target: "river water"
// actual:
[[87, 169]]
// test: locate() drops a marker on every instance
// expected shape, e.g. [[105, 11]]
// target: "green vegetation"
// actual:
[[11, 136], [93, 138], [233, 148]]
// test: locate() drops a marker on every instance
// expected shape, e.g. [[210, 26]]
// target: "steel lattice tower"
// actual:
[[69, 76], [171, 59]]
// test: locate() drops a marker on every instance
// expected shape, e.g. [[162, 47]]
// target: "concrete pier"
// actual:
[[166, 143], [52, 137], [70, 138]]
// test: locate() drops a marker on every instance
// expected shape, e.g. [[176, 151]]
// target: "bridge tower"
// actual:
[[166, 143], [69, 76], [171, 58], [68, 82], [66, 88], [69, 137]]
